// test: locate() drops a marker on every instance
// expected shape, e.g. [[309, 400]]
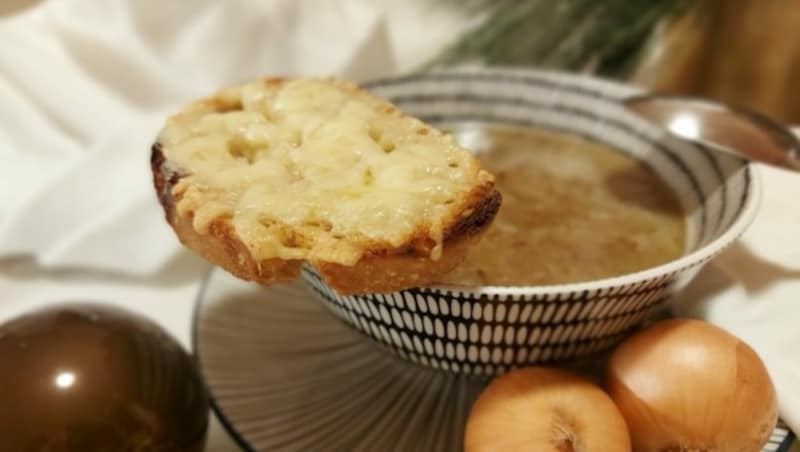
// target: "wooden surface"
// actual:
[[743, 52], [13, 6]]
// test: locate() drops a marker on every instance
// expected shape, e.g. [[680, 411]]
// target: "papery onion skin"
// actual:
[[686, 385], [545, 410]]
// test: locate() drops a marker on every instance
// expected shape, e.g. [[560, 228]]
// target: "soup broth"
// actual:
[[573, 210]]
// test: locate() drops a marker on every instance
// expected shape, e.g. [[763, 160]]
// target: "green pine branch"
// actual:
[[609, 35]]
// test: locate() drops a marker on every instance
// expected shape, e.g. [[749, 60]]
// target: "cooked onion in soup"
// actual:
[[573, 210]]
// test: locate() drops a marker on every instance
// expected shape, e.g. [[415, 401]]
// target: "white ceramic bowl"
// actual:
[[486, 330]]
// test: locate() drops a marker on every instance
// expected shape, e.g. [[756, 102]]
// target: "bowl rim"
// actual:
[[746, 216]]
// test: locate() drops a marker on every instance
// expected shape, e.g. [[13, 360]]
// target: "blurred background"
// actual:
[[741, 51]]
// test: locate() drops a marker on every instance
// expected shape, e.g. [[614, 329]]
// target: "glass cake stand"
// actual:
[[285, 374]]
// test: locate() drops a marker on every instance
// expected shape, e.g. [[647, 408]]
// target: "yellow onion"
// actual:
[[686, 385], [545, 410]]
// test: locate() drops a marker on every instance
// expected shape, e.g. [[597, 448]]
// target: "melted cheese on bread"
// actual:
[[316, 169]]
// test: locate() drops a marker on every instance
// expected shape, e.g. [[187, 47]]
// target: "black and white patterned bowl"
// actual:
[[487, 330]]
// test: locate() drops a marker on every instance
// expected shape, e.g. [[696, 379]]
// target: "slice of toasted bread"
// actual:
[[263, 177]]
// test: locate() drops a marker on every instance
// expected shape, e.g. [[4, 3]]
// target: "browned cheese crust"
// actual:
[[382, 268]]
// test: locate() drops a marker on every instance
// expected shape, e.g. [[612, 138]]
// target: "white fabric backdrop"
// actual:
[[84, 86]]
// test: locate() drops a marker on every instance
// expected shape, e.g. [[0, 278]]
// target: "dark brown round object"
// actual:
[[95, 378]]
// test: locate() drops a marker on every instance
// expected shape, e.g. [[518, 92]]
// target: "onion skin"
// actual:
[[545, 410], [686, 385]]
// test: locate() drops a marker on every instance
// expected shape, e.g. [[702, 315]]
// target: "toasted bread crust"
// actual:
[[380, 270]]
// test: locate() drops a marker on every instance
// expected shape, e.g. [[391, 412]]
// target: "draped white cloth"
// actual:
[[85, 85]]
